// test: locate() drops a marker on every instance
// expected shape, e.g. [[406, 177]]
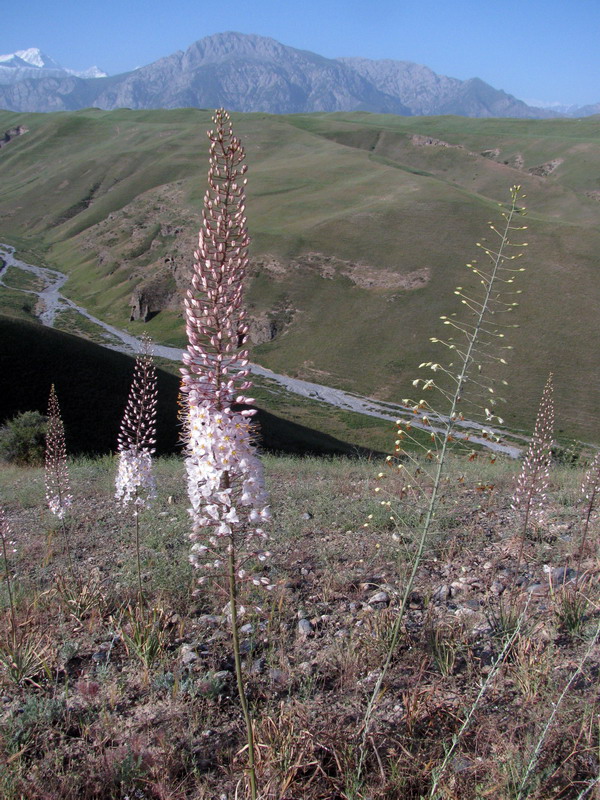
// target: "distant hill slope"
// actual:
[[361, 225], [254, 73], [92, 385]]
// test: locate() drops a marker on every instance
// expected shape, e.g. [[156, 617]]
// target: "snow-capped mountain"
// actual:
[[33, 63], [245, 72]]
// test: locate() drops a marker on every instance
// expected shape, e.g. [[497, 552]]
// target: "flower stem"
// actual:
[[238, 669], [136, 516], [13, 616]]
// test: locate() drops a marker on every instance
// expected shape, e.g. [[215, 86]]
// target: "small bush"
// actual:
[[23, 439]]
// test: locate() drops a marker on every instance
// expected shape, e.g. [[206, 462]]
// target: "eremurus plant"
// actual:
[[134, 481], [225, 479]]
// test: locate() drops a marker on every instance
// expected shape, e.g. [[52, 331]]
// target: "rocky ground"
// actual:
[[499, 639]]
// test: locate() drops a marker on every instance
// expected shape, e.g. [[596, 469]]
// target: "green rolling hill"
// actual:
[[361, 227]]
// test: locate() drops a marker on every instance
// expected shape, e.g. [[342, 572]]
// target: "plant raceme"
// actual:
[[225, 478], [135, 480], [58, 495], [532, 484]]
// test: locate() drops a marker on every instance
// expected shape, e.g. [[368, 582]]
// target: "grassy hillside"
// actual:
[[361, 227]]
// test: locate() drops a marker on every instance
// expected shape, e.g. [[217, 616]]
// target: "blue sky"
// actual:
[[538, 51]]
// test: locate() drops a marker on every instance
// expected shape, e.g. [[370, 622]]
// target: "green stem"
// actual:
[[467, 721], [13, 615], [238, 669], [136, 515], [431, 508], [65, 531], [555, 706], [585, 533]]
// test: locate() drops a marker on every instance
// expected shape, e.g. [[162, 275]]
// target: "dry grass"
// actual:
[[113, 708]]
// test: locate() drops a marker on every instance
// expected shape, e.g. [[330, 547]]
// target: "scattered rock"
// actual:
[[210, 619], [188, 655], [561, 575], [305, 627], [277, 677], [537, 589], [380, 600], [441, 593], [258, 666]]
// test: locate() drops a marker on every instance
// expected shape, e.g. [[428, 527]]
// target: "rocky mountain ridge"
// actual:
[[254, 73]]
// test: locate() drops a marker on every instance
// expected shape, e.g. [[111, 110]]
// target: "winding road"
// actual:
[[50, 302]]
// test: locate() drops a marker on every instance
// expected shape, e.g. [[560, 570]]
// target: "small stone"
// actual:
[[463, 612], [380, 600], [306, 668], [497, 588], [537, 589], [305, 627], [209, 619], [561, 575], [441, 593], [482, 629], [354, 607], [277, 676], [307, 515], [258, 665], [342, 633], [488, 565], [246, 629], [457, 587], [188, 655]]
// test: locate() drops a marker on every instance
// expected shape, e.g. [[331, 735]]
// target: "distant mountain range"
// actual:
[[253, 73]]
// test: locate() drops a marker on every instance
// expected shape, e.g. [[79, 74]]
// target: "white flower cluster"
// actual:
[[225, 485], [58, 503], [135, 480]]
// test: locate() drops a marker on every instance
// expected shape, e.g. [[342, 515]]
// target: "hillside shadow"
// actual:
[[92, 384]]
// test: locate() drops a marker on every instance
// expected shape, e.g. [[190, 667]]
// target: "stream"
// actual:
[[50, 302]]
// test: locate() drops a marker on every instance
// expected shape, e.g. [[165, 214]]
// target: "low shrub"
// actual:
[[23, 439]]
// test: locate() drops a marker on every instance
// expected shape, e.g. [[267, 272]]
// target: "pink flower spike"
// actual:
[[58, 494], [225, 482]]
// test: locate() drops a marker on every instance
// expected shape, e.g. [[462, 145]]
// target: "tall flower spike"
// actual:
[[590, 488], [137, 437], [225, 480], [534, 478], [58, 495]]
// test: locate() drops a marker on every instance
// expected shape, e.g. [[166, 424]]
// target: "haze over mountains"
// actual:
[[254, 73]]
